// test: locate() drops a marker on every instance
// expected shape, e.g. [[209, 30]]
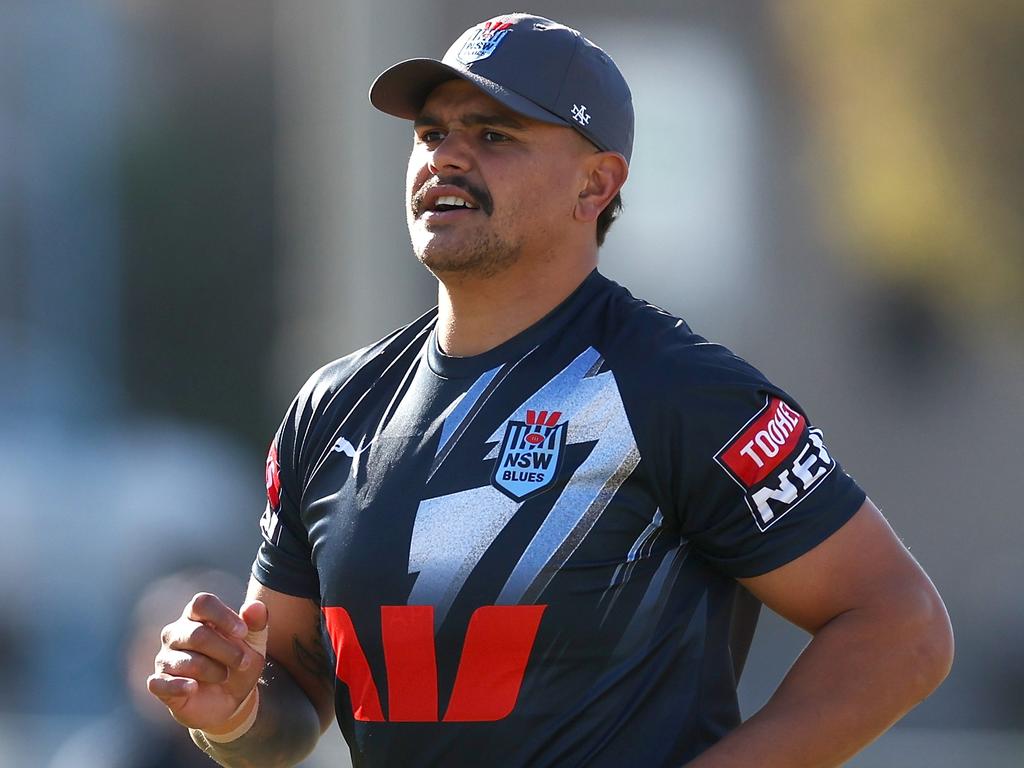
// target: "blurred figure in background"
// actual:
[[139, 734]]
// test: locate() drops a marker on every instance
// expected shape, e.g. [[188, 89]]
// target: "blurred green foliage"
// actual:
[[917, 111]]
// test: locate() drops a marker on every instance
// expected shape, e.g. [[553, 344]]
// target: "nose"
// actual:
[[451, 155]]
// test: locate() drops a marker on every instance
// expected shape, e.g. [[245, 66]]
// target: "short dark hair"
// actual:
[[608, 215]]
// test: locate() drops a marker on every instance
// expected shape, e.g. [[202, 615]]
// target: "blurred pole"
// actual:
[[691, 206], [347, 275], [60, 61]]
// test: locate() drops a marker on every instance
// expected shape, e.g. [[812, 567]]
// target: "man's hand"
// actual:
[[209, 661]]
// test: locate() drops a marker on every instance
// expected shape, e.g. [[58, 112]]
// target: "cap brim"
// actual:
[[402, 90]]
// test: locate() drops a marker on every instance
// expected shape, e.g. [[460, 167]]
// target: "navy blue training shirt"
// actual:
[[528, 557]]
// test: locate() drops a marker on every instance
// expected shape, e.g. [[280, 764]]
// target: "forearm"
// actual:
[[286, 729], [860, 673]]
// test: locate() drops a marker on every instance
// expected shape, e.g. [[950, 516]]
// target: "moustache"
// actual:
[[479, 195]]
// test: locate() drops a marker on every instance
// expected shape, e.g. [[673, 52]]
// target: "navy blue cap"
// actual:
[[532, 65]]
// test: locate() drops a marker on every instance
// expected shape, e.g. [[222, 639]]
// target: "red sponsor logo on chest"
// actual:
[[764, 443], [494, 658]]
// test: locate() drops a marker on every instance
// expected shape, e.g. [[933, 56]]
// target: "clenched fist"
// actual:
[[209, 661]]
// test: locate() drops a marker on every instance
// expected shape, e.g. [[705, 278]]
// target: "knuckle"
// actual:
[[199, 668], [184, 666], [217, 673], [199, 635], [201, 601], [167, 634], [155, 685]]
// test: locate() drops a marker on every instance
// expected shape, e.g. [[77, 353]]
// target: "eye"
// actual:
[[432, 136], [493, 137]]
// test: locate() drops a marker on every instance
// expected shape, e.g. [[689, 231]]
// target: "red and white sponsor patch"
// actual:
[[273, 477], [270, 523], [764, 443], [776, 459]]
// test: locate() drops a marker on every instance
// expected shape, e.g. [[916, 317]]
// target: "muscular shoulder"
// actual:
[[328, 381], [659, 359], [336, 388]]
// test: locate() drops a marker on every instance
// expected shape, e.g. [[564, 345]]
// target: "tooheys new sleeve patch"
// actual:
[[777, 460]]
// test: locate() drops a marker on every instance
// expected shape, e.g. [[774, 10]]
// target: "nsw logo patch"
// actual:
[[531, 455], [777, 460], [484, 40]]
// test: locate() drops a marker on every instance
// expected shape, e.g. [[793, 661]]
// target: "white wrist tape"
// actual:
[[253, 702], [258, 642]]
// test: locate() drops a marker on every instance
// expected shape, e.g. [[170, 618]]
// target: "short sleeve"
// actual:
[[284, 560], [758, 486]]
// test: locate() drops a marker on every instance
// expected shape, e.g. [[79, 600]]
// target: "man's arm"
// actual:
[[881, 643], [199, 676]]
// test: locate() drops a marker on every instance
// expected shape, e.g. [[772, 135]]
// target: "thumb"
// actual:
[[256, 617]]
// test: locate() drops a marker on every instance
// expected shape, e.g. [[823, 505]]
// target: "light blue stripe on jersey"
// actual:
[[459, 413]]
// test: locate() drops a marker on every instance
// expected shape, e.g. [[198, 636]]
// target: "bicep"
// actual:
[[295, 643], [862, 565]]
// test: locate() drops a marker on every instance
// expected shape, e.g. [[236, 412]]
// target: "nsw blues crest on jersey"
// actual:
[[531, 454]]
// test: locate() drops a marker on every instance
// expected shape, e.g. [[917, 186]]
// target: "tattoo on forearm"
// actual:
[[312, 656], [285, 731], [287, 727]]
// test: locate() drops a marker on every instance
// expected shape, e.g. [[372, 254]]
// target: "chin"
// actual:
[[469, 254], [448, 263], [483, 261]]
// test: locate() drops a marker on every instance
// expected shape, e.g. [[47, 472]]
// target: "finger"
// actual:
[[256, 617], [255, 614], [186, 635], [172, 691], [210, 609], [191, 665]]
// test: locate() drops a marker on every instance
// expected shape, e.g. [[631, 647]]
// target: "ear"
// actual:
[[605, 173]]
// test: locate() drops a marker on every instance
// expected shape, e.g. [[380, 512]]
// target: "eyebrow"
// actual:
[[473, 118]]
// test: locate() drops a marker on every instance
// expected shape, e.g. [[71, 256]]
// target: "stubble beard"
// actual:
[[477, 251], [484, 256]]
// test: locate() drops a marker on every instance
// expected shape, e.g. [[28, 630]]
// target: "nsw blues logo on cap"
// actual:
[[549, 72], [484, 40]]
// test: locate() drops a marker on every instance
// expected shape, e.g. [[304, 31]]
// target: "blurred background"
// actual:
[[198, 207]]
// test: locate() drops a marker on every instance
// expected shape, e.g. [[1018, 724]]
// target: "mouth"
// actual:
[[449, 201], [447, 208]]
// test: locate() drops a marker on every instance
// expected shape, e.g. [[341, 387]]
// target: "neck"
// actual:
[[476, 314]]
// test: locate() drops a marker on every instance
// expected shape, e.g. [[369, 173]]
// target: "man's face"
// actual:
[[487, 185]]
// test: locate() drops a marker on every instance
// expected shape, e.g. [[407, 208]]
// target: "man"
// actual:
[[535, 524]]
